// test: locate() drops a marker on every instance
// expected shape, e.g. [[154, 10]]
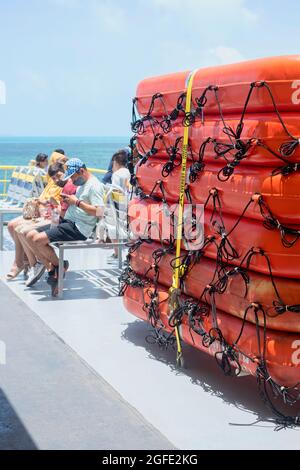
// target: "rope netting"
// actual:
[[195, 312]]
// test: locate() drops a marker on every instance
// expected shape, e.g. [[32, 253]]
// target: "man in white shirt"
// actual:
[[121, 174]]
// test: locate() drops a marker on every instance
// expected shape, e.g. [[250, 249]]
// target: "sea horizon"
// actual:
[[95, 151]]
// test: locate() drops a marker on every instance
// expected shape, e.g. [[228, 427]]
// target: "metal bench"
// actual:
[[62, 246]]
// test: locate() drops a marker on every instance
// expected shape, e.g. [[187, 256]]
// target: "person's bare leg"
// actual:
[[39, 243], [30, 236], [19, 252], [31, 256]]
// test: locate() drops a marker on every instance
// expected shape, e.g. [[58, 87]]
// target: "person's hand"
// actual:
[[70, 199], [53, 201]]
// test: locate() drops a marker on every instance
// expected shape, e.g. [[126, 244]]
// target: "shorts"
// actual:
[[27, 225], [66, 231]]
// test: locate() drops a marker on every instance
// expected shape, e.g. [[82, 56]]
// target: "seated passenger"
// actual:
[[61, 151], [41, 161], [79, 223], [107, 178], [51, 192], [56, 172]]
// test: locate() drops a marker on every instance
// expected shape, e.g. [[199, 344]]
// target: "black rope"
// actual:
[[198, 166], [289, 236], [262, 144], [280, 309], [173, 162], [287, 169], [188, 307], [279, 305], [134, 246], [129, 278], [217, 206], [287, 149], [152, 151], [162, 339], [131, 162], [198, 112], [166, 122], [225, 273], [138, 125], [240, 149], [152, 308], [226, 250]]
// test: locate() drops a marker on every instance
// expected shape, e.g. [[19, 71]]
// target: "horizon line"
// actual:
[[52, 135]]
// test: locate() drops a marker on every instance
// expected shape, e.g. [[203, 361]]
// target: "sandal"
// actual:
[[26, 271], [52, 281], [14, 272]]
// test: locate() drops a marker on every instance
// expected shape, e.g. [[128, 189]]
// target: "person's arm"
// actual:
[[72, 200], [96, 211]]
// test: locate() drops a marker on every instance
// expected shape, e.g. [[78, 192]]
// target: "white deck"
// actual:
[[197, 408]]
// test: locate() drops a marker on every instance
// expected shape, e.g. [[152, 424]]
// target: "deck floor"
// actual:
[[194, 408]]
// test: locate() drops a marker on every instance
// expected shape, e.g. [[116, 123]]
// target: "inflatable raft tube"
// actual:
[[264, 128], [236, 298], [151, 219], [280, 193], [282, 74], [282, 348]]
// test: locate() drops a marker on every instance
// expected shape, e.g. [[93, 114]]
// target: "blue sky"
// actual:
[[71, 66]]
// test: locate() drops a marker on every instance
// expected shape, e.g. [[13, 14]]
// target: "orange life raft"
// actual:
[[265, 132], [237, 296], [152, 218], [233, 82], [233, 292], [280, 193], [282, 349]]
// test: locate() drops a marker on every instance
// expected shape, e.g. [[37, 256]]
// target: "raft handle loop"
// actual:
[[173, 152], [286, 169], [289, 236]]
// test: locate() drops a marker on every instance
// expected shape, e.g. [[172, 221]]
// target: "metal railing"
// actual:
[[6, 172], [5, 178]]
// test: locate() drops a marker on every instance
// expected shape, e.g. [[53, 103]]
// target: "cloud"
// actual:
[[198, 33], [194, 57], [34, 79], [2, 92], [67, 3], [225, 55], [110, 14], [196, 8], [107, 13]]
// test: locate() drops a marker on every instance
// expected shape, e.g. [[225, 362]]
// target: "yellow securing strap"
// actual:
[[177, 272]]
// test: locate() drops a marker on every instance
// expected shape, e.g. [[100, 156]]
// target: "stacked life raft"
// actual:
[[238, 296]]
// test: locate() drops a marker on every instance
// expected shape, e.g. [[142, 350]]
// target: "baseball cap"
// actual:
[[73, 166]]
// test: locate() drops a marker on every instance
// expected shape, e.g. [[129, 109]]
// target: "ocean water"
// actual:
[[96, 152]]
